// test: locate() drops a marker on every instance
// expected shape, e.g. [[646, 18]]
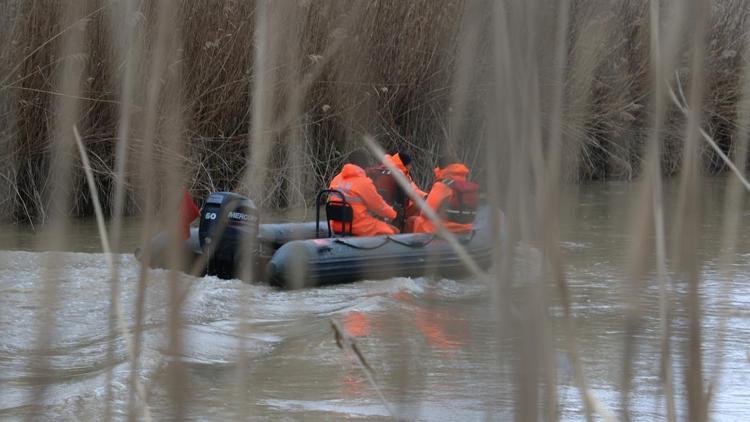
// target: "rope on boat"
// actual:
[[366, 248]]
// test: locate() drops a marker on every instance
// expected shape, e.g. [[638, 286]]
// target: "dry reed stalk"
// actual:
[[507, 183], [147, 173], [259, 147], [172, 129], [520, 77], [661, 69], [688, 221], [549, 197], [69, 82], [124, 36]]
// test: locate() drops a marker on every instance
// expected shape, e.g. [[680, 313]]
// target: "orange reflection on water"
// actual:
[[430, 324], [357, 324], [353, 384]]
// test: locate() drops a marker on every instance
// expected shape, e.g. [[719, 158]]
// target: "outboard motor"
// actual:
[[229, 223]]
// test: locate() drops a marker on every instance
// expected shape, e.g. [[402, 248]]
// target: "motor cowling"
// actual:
[[229, 224]]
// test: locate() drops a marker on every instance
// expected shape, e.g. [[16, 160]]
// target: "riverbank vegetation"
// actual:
[[340, 69]]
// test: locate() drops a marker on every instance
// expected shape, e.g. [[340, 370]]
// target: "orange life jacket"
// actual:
[[386, 185], [453, 198], [461, 206]]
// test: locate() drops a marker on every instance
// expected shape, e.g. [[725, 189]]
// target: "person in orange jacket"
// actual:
[[452, 197], [360, 193], [402, 161]]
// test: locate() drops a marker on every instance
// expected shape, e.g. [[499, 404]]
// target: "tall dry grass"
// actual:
[[266, 97], [387, 68]]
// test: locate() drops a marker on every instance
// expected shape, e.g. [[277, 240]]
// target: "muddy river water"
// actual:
[[432, 343]]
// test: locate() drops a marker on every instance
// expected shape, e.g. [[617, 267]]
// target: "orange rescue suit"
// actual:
[[411, 207], [395, 159], [440, 193], [365, 200]]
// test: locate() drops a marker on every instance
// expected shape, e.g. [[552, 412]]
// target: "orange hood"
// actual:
[[395, 159], [352, 170], [455, 171]]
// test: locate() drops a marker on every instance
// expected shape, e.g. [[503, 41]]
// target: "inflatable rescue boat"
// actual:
[[229, 243]]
